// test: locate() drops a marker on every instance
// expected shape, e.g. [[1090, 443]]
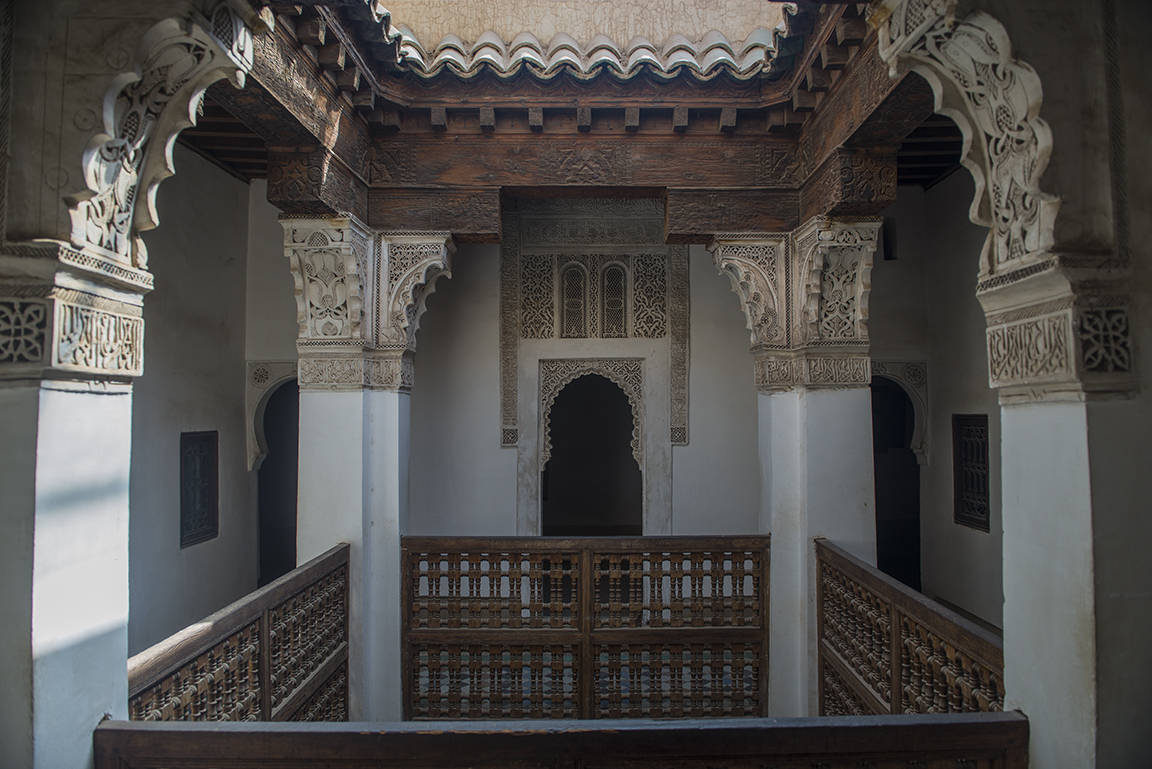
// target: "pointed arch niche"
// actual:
[[588, 286]]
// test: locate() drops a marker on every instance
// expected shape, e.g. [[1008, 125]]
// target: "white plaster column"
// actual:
[[805, 295], [1059, 352], [72, 277], [360, 295]]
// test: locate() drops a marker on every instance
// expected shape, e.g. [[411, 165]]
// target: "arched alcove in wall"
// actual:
[[277, 482], [592, 485], [897, 476]]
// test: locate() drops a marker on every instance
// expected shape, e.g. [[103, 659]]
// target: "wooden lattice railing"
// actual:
[[886, 649], [278, 654], [585, 628]]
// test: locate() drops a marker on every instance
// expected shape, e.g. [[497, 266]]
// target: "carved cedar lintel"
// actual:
[[805, 297], [850, 183]]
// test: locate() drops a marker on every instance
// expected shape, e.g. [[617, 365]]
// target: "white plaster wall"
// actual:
[[271, 327], [193, 380], [898, 303], [716, 477], [462, 482], [958, 564]]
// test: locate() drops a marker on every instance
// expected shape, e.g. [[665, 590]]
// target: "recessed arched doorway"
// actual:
[[592, 484], [277, 483], [897, 482]]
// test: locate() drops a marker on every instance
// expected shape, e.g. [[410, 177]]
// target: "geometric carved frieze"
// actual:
[[627, 373], [591, 269], [391, 370], [67, 330], [147, 107]]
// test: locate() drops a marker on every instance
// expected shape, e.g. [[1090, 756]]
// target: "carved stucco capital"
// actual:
[[834, 280], [755, 263], [805, 298], [359, 297], [412, 261], [330, 262]]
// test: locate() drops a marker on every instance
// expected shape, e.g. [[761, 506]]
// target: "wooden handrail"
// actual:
[[601, 627], [971, 739], [885, 648], [237, 664]]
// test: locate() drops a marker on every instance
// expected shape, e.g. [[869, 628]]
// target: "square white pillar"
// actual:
[[817, 481], [64, 545]]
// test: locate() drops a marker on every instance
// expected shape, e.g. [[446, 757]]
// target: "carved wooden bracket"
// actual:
[[314, 183]]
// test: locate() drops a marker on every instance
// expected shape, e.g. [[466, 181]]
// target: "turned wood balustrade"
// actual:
[[884, 648], [278, 654], [585, 628]]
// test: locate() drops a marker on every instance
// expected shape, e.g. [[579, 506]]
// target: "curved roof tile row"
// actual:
[[704, 59]]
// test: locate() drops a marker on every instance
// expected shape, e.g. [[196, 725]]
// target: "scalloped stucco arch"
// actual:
[[144, 111], [627, 374], [995, 101]]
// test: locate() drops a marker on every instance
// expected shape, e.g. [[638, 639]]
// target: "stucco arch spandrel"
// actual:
[[144, 111], [626, 373], [995, 101]]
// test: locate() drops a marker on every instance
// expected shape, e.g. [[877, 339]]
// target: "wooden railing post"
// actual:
[[586, 674]]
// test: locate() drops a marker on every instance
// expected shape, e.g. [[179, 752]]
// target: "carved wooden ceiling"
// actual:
[[820, 128]]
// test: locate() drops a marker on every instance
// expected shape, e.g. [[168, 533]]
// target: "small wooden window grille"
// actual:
[[199, 487], [573, 292], [970, 470], [614, 324]]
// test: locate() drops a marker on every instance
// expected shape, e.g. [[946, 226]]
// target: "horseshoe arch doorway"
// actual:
[[592, 485]]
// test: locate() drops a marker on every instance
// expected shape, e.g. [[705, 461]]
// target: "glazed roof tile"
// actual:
[[704, 59]]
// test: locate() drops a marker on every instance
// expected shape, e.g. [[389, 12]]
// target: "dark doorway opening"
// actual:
[[277, 483], [897, 482], [592, 485]]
